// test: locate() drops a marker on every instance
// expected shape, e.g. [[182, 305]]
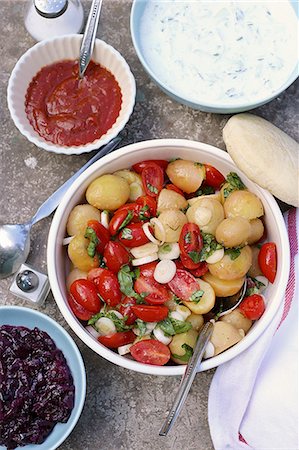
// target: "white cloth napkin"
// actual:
[[253, 399]]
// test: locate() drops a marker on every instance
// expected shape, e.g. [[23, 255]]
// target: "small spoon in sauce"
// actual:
[[223, 306], [89, 36], [15, 238]]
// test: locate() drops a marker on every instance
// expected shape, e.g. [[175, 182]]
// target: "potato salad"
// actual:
[[155, 247]]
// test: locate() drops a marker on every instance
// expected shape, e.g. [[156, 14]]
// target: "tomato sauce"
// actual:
[[69, 111]]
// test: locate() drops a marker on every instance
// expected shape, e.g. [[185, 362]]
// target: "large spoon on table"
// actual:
[[15, 238], [223, 306]]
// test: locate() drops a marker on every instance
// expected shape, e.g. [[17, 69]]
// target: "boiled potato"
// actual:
[[196, 321], [237, 319], [244, 204], [187, 175], [256, 231], [216, 196], [170, 199], [207, 301], [207, 213], [172, 221], [75, 274], [232, 269], [233, 232], [77, 251], [223, 288], [175, 346], [254, 270], [78, 218], [108, 192], [135, 183], [224, 336]]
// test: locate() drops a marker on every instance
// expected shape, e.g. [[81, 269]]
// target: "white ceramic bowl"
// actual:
[[20, 316], [58, 49], [164, 149]]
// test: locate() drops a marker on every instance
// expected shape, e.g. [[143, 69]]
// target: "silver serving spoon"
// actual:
[[15, 238], [89, 36], [222, 307]]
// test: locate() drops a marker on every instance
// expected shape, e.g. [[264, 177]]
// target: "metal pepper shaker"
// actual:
[[45, 19]]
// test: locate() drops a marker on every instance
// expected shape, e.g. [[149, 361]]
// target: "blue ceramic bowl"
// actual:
[[137, 11], [20, 316]]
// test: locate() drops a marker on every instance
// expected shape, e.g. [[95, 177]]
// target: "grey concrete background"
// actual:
[[123, 410]]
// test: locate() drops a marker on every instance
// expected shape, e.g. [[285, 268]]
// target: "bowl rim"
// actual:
[[234, 107], [80, 393], [33, 136], [107, 353]]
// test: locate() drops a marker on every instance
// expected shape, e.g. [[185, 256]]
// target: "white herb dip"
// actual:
[[222, 52]]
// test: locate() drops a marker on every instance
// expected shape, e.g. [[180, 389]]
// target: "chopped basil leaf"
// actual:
[[127, 220], [180, 326], [234, 253], [141, 326], [198, 164], [118, 322], [196, 296], [176, 299], [210, 245], [195, 256], [187, 237], [152, 188], [253, 286], [174, 159], [143, 216], [125, 279], [127, 234], [137, 272], [204, 190], [140, 298], [165, 248], [167, 327], [94, 318], [234, 183], [187, 355], [91, 235]]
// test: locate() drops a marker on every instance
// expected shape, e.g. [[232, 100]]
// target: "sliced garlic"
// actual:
[[184, 311], [92, 331], [124, 349], [164, 271], [216, 256], [105, 219], [171, 250], [105, 326], [145, 260], [176, 315], [148, 234], [144, 250], [161, 336], [67, 240]]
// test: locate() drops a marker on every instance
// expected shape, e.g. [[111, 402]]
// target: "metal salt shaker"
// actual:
[[49, 18]]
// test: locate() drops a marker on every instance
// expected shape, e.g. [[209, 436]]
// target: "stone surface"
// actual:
[[123, 410]]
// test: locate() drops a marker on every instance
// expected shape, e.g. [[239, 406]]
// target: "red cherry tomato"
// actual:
[[126, 309], [148, 207], [201, 269], [174, 188], [115, 256], [214, 178], [157, 294], [85, 293], [152, 178], [184, 285], [253, 306], [108, 287], [78, 310], [267, 260], [138, 167], [150, 351], [147, 270], [179, 264], [120, 219], [133, 235], [101, 232], [149, 313], [190, 243], [94, 274], [117, 339]]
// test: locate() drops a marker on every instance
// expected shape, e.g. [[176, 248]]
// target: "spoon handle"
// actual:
[[53, 201], [187, 378], [89, 36]]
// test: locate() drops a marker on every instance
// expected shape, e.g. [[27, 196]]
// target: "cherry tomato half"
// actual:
[[267, 260], [138, 167], [107, 286], [125, 309], [190, 243], [152, 179], [115, 256], [201, 269], [117, 339], [148, 207], [149, 313], [133, 235], [174, 188], [85, 293], [253, 306], [214, 178], [184, 285], [121, 218], [150, 351], [157, 294], [101, 232], [80, 312], [147, 270]]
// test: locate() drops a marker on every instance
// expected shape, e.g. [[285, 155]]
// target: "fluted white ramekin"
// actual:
[[58, 49]]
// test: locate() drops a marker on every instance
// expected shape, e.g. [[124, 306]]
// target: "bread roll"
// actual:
[[266, 154]]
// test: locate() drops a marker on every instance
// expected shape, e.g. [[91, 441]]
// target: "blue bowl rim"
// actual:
[[134, 27], [73, 419]]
